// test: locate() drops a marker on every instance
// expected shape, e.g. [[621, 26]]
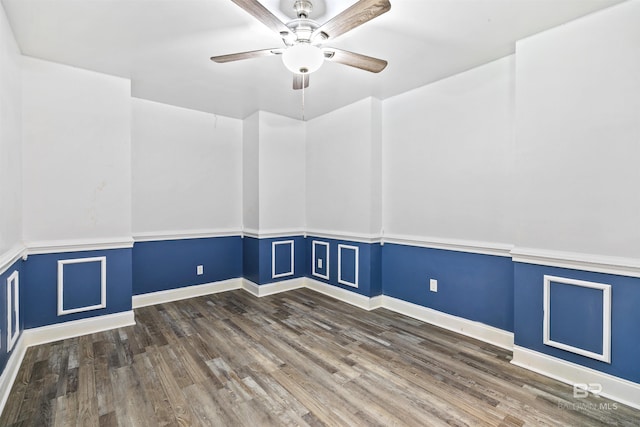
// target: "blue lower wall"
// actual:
[[171, 264], [472, 286], [580, 323], [257, 259], [4, 350], [39, 284], [369, 264]]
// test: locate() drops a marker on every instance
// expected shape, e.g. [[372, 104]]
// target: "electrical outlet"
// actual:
[[319, 263], [200, 270], [433, 285]]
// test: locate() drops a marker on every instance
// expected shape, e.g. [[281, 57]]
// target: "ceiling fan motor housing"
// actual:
[[303, 29]]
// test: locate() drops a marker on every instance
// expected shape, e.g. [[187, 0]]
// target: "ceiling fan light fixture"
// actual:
[[303, 58]]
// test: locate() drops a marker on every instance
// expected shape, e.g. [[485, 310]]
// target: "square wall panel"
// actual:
[[577, 317], [348, 265], [282, 259], [82, 284]]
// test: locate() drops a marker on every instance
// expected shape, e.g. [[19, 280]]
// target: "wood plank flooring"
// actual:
[[293, 359]]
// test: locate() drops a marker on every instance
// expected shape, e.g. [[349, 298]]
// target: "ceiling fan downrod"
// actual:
[[303, 8]]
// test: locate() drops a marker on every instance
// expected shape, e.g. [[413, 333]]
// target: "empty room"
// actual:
[[319, 212]]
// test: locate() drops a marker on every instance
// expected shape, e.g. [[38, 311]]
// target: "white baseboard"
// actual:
[[76, 328], [376, 302], [615, 388], [470, 328], [272, 288], [51, 333], [11, 371], [162, 297], [343, 295], [477, 330]]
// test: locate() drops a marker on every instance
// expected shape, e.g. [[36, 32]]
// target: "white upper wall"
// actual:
[[76, 152], [251, 172], [440, 161], [10, 139], [448, 157], [187, 170], [343, 170], [282, 162], [578, 135]]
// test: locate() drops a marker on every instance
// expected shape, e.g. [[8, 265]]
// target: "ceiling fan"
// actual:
[[304, 52]]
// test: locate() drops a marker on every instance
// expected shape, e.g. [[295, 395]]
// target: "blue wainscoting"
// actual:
[[269, 260], [251, 259], [7, 307], [489, 289], [577, 317], [171, 264], [472, 286], [353, 266], [80, 288]]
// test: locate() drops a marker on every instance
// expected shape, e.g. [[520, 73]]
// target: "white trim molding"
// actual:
[[80, 245], [272, 234], [177, 294], [13, 309], [272, 288], [10, 371], [470, 328], [586, 262], [470, 246], [291, 272], [345, 236], [344, 295], [616, 388], [10, 257], [154, 236], [605, 356], [356, 249], [103, 284], [51, 333], [313, 259], [76, 328]]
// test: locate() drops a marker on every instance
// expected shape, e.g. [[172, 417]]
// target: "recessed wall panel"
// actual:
[[320, 259], [348, 265], [578, 316], [82, 284], [282, 259]]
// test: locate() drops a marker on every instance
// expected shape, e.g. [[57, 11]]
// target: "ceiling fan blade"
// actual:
[[354, 16], [246, 55], [300, 81], [356, 60], [262, 14]]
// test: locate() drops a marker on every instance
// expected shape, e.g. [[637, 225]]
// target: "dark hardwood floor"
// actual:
[[297, 358]]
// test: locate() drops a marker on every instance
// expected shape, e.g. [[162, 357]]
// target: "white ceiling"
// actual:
[[164, 46]]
